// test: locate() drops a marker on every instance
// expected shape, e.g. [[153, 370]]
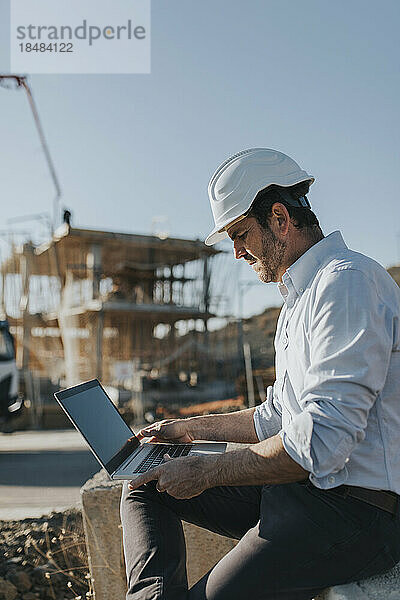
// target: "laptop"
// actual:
[[112, 441]]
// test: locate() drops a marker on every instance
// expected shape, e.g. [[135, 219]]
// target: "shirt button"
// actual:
[[331, 479], [301, 290]]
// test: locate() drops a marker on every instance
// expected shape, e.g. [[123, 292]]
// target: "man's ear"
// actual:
[[280, 218]]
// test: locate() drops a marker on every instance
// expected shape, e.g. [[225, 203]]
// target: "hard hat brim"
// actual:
[[215, 236]]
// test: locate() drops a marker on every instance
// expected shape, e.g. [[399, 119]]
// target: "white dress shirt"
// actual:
[[336, 398]]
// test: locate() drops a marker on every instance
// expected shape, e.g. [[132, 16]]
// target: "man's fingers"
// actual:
[[150, 475], [144, 433], [148, 440], [151, 430], [159, 487]]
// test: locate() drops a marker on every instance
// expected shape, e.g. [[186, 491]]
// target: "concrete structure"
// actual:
[[100, 508], [100, 503], [383, 587], [93, 301]]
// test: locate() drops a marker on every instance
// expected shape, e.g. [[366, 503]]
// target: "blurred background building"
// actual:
[[133, 311]]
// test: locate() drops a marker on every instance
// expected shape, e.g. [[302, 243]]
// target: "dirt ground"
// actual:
[[44, 559]]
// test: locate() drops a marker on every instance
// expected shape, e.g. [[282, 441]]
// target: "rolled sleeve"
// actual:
[[268, 416], [351, 337]]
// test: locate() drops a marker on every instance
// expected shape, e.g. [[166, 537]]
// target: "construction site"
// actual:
[[131, 310], [151, 316]]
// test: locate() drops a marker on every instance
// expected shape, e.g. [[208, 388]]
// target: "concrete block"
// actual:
[[204, 550], [101, 520], [380, 587], [342, 592]]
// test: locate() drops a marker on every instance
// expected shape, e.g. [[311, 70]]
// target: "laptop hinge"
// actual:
[[130, 457]]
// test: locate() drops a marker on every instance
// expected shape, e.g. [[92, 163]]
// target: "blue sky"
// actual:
[[318, 80]]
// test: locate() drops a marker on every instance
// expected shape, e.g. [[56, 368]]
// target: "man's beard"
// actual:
[[271, 260]]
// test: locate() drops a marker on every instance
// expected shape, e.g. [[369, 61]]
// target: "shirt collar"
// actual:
[[297, 277]]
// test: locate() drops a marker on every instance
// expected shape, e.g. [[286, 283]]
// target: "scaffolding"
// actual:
[[105, 304]]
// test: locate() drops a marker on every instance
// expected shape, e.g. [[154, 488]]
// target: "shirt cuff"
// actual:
[[267, 421], [296, 439]]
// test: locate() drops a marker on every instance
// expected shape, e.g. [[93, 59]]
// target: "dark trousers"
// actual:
[[295, 540]]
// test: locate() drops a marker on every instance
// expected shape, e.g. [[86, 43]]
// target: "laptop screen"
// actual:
[[95, 416]]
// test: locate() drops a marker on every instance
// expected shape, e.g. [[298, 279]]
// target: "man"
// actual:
[[313, 499]]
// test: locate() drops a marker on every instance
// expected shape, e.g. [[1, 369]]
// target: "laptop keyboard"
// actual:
[[156, 455]]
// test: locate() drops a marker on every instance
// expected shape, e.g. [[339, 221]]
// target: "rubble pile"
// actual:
[[44, 559]]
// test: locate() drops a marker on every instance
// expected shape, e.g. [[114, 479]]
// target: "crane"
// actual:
[[18, 82]]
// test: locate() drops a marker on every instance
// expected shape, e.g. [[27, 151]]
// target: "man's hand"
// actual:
[[264, 463], [183, 477], [175, 431]]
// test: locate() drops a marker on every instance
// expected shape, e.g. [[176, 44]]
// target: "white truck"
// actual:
[[10, 402]]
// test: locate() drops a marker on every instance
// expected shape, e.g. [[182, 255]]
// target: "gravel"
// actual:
[[44, 559]]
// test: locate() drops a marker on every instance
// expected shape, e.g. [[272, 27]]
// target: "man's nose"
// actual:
[[238, 249]]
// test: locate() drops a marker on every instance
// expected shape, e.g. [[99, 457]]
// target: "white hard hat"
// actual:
[[238, 180]]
